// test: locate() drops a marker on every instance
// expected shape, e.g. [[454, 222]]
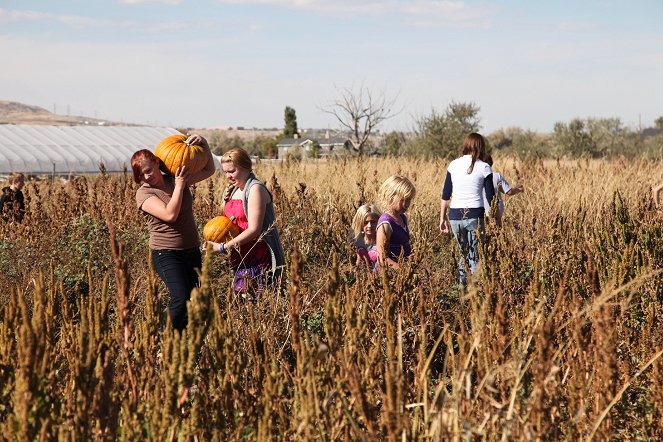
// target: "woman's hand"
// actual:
[[181, 175], [444, 226], [216, 246], [196, 140]]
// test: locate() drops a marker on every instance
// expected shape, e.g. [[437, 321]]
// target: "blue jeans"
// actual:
[[465, 232], [177, 269]]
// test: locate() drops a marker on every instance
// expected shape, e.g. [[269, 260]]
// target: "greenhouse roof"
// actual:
[[66, 150]]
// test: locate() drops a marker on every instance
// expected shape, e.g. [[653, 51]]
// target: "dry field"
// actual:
[[557, 338]]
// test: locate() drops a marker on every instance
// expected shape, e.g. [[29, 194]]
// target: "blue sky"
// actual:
[[232, 62]]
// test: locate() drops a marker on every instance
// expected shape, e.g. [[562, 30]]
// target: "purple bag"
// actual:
[[250, 280]]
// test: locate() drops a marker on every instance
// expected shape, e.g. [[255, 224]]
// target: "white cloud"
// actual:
[[82, 22], [415, 12], [35, 16], [576, 26], [167, 2]]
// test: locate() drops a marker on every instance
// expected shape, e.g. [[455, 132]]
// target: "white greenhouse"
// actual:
[[73, 150]]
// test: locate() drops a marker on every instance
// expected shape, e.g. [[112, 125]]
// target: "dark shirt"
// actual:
[[12, 202]]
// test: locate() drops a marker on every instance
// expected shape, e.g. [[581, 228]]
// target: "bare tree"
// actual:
[[360, 111]]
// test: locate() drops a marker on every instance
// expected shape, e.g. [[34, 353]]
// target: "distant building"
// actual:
[[302, 146], [650, 132], [74, 150]]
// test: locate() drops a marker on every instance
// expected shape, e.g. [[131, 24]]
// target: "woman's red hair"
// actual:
[[139, 158]]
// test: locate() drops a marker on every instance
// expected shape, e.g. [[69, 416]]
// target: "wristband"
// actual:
[[221, 247]]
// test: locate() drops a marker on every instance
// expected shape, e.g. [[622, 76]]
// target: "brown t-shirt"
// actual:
[[179, 235]]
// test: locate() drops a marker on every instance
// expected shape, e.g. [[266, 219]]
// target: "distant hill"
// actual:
[[12, 112]]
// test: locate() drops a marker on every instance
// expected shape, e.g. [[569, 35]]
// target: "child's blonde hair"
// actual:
[[396, 187], [239, 157], [360, 216]]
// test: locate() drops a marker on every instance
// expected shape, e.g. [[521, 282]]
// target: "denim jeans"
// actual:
[[177, 270], [465, 232]]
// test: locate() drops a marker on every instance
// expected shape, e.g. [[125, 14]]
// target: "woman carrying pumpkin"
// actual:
[[256, 254], [167, 205]]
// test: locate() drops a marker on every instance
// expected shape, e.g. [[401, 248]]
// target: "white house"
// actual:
[[329, 146]]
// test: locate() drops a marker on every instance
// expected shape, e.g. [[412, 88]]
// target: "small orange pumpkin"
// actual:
[[174, 153], [220, 229]]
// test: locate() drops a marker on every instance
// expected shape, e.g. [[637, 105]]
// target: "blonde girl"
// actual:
[[393, 234], [364, 226], [256, 254]]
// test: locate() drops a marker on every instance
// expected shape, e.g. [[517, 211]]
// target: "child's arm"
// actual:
[[516, 190], [383, 238], [656, 194]]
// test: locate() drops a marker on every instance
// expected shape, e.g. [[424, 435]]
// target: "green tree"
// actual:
[[442, 135], [658, 123], [609, 136], [594, 137], [653, 148], [572, 139], [520, 142], [393, 143], [290, 129], [270, 147], [220, 141], [315, 149], [261, 146]]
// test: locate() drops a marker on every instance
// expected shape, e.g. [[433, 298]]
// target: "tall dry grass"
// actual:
[[557, 338]]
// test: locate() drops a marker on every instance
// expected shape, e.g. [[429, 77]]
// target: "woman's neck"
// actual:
[[241, 184], [160, 183]]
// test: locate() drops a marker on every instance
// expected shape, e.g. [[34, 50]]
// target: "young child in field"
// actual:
[[364, 226], [501, 186], [393, 235], [12, 201]]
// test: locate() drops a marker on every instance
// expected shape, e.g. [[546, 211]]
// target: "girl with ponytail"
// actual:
[[462, 196]]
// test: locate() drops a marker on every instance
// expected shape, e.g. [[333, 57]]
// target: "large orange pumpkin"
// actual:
[[220, 229], [174, 153]]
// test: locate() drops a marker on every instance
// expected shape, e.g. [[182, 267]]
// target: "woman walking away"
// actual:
[[462, 195], [167, 205], [256, 254], [393, 237]]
